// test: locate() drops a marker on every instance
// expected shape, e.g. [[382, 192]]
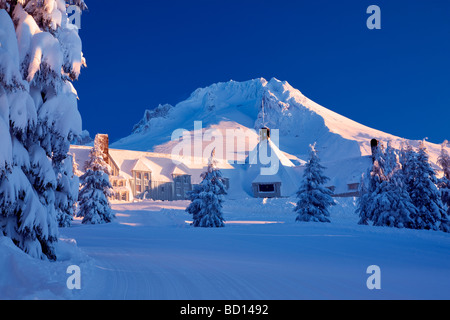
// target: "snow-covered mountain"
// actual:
[[256, 103]]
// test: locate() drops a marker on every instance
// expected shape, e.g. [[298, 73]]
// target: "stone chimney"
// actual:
[[374, 146], [102, 140], [264, 134]]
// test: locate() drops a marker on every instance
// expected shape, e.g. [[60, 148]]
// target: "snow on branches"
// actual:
[[207, 198], [94, 206], [40, 54], [314, 198], [401, 190]]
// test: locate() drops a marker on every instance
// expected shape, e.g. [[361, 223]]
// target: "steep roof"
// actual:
[[284, 169], [272, 149], [267, 178]]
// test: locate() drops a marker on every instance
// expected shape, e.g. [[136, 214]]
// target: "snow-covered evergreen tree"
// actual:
[[444, 182], [194, 207], [207, 198], [444, 160], [369, 184], [408, 159], [385, 200], [94, 206], [421, 182], [362, 209], [66, 193], [390, 203], [40, 54], [314, 199]]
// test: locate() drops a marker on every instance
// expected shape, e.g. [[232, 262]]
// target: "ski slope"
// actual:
[[151, 252]]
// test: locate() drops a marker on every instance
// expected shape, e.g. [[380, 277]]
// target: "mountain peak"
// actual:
[[256, 103]]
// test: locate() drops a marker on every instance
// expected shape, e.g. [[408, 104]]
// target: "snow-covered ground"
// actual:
[[151, 252]]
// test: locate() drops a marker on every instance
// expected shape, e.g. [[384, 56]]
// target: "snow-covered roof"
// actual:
[[285, 173], [345, 172], [162, 166], [267, 179], [178, 171], [129, 161], [272, 150], [142, 164]]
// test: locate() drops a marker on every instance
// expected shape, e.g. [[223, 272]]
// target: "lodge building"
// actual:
[[149, 175], [144, 175]]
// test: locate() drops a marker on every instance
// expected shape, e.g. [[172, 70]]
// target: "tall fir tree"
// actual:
[[207, 198], [421, 182], [40, 56], [94, 206], [391, 204], [385, 201], [314, 199]]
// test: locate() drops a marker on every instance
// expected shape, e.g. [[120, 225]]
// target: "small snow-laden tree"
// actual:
[[421, 182], [94, 206], [408, 161], [369, 184], [391, 161], [444, 182], [404, 147], [66, 193], [363, 200], [207, 198], [368, 189], [444, 160], [314, 199], [40, 54]]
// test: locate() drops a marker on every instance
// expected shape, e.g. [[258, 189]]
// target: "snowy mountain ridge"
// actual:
[[300, 120]]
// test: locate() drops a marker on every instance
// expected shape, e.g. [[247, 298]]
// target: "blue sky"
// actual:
[[396, 79]]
